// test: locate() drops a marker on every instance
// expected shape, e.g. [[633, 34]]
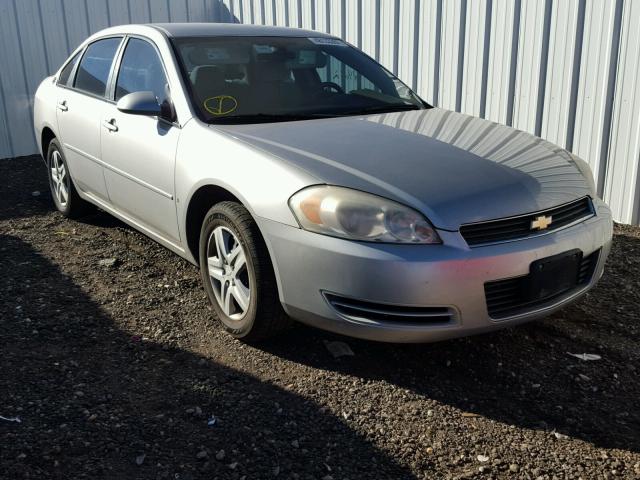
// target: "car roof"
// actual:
[[177, 30]]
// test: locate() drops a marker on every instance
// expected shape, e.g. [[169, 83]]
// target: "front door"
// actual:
[[139, 151]]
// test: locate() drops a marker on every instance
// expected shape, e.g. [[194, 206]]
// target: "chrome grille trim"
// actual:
[[519, 227]]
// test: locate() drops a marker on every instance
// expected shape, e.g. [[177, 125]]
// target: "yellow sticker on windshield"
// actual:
[[220, 105]]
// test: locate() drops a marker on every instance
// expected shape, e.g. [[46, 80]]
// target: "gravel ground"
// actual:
[[115, 369]]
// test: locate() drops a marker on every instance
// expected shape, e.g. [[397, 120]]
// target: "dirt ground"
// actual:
[[118, 370]]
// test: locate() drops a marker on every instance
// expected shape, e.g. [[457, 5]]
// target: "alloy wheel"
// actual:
[[227, 267], [59, 179]]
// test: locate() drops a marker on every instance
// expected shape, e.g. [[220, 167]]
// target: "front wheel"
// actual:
[[237, 274]]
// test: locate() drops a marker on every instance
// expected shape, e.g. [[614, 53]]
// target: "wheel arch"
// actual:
[[203, 198], [46, 136]]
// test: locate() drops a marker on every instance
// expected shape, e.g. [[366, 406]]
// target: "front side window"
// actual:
[[63, 79], [141, 70], [93, 72], [253, 79]]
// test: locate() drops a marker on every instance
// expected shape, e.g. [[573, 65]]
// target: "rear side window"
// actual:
[[141, 70], [95, 65], [63, 79]]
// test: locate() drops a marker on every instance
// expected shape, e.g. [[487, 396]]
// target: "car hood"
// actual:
[[454, 168]]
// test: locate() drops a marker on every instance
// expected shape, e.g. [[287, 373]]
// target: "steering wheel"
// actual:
[[323, 86]]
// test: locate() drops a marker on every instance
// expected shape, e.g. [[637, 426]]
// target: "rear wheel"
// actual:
[[237, 274], [64, 193]]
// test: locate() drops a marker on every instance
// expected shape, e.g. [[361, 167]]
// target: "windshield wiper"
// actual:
[[268, 117], [381, 109], [290, 117]]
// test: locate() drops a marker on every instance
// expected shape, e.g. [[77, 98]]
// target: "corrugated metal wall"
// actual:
[[566, 70]]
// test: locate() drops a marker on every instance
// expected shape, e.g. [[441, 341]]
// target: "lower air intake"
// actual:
[[381, 312], [506, 298]]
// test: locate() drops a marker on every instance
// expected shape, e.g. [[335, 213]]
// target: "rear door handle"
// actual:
[[110, 125], [62, 106]]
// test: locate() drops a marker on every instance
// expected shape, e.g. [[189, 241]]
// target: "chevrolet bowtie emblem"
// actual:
[[541, 222]]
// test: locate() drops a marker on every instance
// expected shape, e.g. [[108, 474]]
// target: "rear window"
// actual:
[[95, 66]]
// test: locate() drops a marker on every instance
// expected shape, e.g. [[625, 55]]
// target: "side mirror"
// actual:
[[167, 107], [140, 103]]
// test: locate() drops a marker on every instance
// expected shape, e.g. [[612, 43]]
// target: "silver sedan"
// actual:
[[309, 183]]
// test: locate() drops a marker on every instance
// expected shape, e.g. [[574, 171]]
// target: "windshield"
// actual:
[[266, 79]]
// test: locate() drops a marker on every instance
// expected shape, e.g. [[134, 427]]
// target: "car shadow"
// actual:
[[522, 376], [31, 196], [96, 401]]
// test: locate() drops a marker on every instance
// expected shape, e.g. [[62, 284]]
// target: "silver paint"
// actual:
[[453, 168]]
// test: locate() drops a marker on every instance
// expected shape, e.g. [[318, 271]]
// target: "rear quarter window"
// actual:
[[63, 78]]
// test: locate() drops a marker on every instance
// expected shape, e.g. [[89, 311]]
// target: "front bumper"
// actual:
[[448, 275]]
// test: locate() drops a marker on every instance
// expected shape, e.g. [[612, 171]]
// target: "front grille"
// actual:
[[380, 312], [514, 228], [506, 298]]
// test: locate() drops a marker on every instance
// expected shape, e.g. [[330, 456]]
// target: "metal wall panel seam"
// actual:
[[376, 30], [254, 12], [611, 86], [8, 146], [474, 53], [416, 40], [44, 45], [396, 37], [405, 51], [343, 20], [426, 49], [437, 54], [485, 59], [327, 12], [515, 41], [86, 18], [575, 82], [461, 42], [544, 63], [64, 25], [449, 51]]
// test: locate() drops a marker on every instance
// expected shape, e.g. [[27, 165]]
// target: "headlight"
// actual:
[[346, 213]]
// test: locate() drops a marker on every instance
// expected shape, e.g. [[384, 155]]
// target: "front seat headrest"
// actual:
[[207, 81]]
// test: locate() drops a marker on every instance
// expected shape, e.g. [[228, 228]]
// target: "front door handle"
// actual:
[[110, 125], [62, 106]]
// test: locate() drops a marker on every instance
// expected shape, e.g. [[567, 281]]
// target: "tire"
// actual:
[[258, 314], [64, 193]]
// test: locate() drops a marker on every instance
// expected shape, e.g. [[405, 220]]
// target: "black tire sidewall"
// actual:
[[54, 146], [221, 215]]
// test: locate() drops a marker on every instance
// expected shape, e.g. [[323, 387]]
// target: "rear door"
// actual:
[[139, 151], [81, 102]]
